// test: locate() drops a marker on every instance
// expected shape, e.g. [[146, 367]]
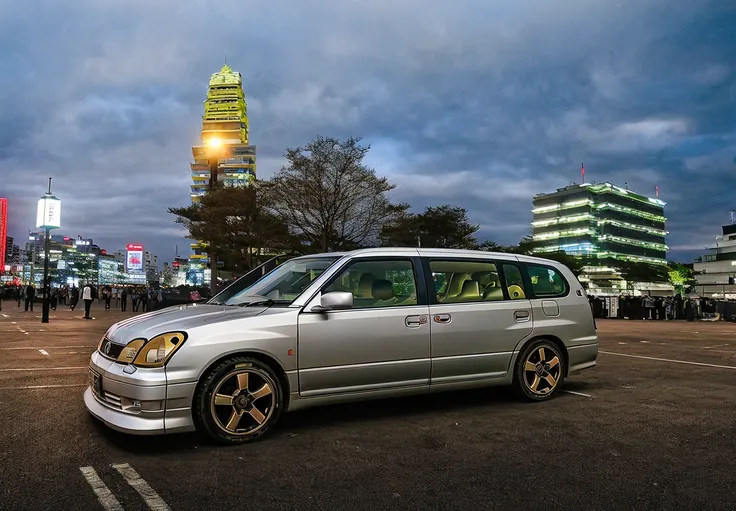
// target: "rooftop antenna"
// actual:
[[582, 171], [626, 185], [732, 215], [656, 191]]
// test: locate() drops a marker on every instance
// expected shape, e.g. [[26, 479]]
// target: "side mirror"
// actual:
[[336, 300]]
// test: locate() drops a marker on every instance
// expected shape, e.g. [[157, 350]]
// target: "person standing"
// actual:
[[107, 296], [30, 296], [88, 297], [54, 299], [124, 299], [74, 300], [134, 298], [144, 299]]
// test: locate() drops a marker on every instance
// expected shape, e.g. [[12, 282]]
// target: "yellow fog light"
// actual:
[[157, 351]]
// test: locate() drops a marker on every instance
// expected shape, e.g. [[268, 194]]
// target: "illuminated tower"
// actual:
[[224, 126]]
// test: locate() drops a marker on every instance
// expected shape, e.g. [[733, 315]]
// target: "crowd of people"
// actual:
[[652, 307], [141, 298]]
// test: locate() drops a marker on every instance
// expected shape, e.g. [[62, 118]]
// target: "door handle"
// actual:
[[442, 318], [415, 321], [521, 316]]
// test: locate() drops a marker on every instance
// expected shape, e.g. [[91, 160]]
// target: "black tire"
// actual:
[[211, 418], [525, 377]]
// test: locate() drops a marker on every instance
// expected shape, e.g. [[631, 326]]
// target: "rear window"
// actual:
[[546, 281]]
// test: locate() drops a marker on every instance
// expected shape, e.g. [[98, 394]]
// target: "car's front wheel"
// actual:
[[238, 401], [540, 370]]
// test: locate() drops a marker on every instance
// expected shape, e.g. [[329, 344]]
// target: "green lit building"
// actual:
[[604, 222], [225, 126]]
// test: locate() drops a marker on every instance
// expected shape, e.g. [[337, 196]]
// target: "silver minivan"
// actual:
[[331, 328]]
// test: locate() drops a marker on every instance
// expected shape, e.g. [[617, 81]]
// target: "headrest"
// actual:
[[365, 284], [485, 278], [470, 288], [382, 290]]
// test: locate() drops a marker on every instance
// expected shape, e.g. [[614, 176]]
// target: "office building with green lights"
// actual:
[[603, 222]]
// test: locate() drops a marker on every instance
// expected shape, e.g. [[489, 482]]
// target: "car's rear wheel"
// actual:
[[540, 370], [238, 401]]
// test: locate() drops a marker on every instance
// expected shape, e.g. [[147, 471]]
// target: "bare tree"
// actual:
[[330, 198]]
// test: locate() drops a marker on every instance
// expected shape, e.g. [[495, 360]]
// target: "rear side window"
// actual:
[[546, 281], [461, 281]]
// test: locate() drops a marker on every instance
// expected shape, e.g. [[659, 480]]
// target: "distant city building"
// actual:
[[151, 268], [8, 254], [715, 272], [226, 120], [14, 257], [605, 223]]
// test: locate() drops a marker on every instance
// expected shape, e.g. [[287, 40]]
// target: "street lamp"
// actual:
[[214, 152], [48, 216]]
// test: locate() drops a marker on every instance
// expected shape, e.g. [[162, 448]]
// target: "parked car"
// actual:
[[343, 327]]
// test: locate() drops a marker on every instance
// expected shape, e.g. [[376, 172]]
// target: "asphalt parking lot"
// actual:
[[652, 427]]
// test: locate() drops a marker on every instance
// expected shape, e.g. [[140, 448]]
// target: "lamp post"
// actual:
[[48, 216], [214, 151]]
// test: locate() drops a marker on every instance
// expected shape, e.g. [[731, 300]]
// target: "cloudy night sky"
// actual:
[[476, 103]]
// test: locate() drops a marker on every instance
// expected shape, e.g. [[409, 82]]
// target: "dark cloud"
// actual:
[[477, 103]]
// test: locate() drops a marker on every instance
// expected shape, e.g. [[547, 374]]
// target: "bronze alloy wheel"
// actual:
[[238, 400], [242, 401], [541, 370]]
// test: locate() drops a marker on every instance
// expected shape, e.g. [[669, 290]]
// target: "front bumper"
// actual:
[[140, 403]]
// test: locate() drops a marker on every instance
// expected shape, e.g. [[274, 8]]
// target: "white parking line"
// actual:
[[154, 502], [577, 393], [44, 352], [4, 315], [31, 387], [104, 495], [44, 369], [669, 360]]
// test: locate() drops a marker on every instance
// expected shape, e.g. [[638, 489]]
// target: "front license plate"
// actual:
[[95, 382]]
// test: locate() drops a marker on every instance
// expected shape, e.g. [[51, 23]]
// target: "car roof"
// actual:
[[434, 252]]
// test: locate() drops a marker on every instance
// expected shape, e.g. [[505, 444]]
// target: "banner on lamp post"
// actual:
[[48, 213]]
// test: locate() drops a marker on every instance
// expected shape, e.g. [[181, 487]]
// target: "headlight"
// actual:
[[153, 353]]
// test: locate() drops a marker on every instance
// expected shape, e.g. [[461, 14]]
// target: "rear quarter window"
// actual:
[[546, 281]]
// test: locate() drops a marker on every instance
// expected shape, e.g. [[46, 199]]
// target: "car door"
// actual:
[[478, 315], [382, 343]]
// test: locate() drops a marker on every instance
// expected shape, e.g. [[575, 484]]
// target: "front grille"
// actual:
[[109, 349]]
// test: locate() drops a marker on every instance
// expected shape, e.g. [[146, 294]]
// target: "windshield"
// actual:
[[281, 286]]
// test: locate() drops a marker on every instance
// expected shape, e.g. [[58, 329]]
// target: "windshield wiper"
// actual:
[[267, 303]]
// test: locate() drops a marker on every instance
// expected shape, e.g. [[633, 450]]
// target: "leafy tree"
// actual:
[[526, 245], [236, 224], [492, 246], [443, 226], [634, 272], [681, 276], [330, 198], [576, 263]]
